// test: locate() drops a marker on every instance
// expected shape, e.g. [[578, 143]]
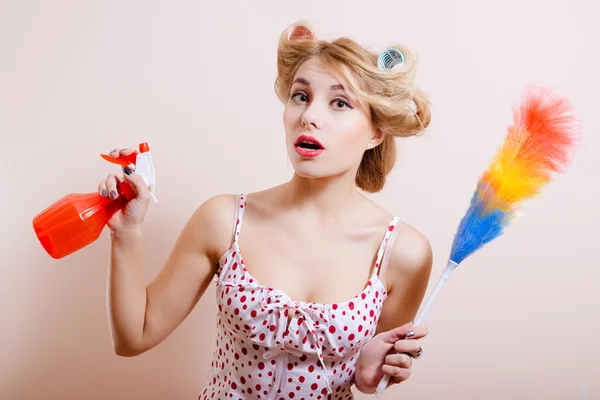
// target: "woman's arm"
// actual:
[[141, 317], [407, 275], [408, 271]]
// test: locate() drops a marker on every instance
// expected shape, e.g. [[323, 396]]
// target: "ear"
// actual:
[[376, 139]]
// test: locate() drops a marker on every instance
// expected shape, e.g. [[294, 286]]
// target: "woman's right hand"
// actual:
[[132, 215]]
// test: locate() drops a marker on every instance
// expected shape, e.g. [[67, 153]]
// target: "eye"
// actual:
[[339, 103], [303, 96], [343, 102]]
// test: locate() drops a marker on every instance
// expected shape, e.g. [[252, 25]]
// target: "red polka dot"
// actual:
[[330, 332]]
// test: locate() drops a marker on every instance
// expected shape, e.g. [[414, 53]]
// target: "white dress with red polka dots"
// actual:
[[258, 355]]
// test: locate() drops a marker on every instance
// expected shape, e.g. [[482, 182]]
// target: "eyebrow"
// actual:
[[307, 83]]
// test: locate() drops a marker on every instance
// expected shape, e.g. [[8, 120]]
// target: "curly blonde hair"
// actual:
[[398, 108]]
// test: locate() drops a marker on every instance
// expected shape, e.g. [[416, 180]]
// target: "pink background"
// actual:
[[518, 320]]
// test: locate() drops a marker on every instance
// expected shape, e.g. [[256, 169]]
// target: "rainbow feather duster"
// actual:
[[540, 142]]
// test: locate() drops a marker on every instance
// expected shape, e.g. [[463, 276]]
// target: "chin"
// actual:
[[313, 170], [309, 171], [317, 167]]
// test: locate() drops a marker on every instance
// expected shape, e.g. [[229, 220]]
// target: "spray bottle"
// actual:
[[77, 219]]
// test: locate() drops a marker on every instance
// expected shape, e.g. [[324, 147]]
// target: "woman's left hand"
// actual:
[[377, 359]]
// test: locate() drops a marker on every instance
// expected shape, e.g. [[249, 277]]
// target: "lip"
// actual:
[[308, 152], [305, 138]]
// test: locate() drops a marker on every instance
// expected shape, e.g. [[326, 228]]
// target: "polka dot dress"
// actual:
[[265, 352]]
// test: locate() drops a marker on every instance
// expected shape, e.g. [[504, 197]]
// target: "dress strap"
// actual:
[[386, 245], [239, 215]]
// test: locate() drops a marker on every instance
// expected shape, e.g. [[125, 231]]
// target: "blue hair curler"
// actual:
[[390, 58]]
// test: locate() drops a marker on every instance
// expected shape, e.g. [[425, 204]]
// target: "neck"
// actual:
[[332, 198]]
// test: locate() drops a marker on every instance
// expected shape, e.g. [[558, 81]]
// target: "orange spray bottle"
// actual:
[[78, 219]]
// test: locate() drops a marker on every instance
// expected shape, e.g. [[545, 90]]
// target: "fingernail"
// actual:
[[104, 193], [410, 334], [127, 170], [113, 194]]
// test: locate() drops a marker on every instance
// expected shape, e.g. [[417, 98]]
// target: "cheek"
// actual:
[[355, 138], [290, 117]]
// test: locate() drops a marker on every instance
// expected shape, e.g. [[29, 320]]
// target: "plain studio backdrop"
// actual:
[[520, 319]]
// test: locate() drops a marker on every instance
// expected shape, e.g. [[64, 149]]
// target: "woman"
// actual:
[[329, 281]]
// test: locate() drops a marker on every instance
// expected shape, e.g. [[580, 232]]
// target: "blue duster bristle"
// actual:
[[478, 226]]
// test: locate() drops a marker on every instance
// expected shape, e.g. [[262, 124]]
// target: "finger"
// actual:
[[399, 360], [137, 183], [111, 186], [396, 373], [403, 331], [126, 152], [407, 346], [114, 153], [395, 334], [417, 332], [102, 189]]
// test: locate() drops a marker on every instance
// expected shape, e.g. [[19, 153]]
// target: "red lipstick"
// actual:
[[308, 146]]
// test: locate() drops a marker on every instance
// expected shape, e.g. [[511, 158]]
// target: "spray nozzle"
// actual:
[[141, 163]]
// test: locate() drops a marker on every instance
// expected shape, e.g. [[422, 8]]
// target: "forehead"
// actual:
[[318, 72]]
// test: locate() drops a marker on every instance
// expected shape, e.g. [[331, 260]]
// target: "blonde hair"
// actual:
[[398, 108]]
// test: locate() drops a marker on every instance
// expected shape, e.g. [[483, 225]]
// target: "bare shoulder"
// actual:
[[406, 277], [212, 224], [411, 253], [410, 258]]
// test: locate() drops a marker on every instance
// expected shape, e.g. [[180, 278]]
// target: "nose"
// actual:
[[311, 119]]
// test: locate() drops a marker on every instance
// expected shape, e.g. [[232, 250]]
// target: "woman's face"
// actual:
[[326, 133]]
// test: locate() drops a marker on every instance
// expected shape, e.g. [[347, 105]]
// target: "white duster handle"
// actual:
[[421, 315]]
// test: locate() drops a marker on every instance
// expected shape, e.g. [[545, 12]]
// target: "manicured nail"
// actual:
[[104, 193], [113, 194], [127, 170], [410, 334]]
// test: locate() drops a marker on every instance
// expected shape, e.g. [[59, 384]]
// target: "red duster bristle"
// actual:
[[552, 125]]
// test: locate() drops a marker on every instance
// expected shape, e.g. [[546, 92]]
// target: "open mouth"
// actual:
[[308, 143]]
